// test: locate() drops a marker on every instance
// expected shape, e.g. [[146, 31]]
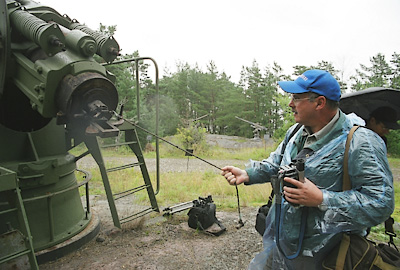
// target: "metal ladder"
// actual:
[[131, 140], [15, 244]]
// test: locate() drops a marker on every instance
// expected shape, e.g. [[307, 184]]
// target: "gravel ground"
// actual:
[[160, 242]]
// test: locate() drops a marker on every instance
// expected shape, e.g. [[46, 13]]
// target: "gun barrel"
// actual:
[[255, 125]]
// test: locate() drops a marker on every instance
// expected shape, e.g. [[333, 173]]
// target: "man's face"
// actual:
[[378, 127], [303, 108]]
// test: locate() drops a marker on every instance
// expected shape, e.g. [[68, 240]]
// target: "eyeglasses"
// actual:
[[296, 99]]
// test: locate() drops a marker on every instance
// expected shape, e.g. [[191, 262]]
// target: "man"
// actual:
[[382, 120], [329, 210]]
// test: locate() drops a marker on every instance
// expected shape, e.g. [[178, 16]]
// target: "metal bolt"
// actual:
[[88, 47]]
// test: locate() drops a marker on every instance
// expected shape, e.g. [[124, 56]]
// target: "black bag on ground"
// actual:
[[202, 216]]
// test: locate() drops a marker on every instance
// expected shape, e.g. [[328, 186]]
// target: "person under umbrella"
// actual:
[[382, 120]]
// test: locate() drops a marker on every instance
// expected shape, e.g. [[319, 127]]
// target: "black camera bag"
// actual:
[[202, 215], [261, 216]]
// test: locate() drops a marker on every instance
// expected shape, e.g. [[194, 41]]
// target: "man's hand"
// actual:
[[307, 193], [234, 176]]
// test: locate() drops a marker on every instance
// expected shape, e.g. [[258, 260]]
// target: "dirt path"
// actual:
[[159, 242]]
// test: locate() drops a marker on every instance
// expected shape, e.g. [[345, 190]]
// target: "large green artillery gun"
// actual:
[[53, 96]]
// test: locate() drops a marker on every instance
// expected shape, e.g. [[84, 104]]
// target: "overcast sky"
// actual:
[[233, 33]]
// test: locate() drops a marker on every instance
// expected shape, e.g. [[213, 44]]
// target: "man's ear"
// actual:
[[321, 102]]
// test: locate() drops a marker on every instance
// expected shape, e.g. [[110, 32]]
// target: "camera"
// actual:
[[293, 170]]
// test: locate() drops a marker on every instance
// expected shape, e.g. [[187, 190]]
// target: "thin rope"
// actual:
[[241, 223]]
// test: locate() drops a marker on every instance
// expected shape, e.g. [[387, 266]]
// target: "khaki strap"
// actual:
[[383, 265], [344, 246], [346, 179], [345, 243]]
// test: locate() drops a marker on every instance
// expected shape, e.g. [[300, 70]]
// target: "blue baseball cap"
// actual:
[[316, 81]]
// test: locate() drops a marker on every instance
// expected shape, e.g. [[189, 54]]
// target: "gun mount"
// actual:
[[49, 71], [257, 127], [53, 96]]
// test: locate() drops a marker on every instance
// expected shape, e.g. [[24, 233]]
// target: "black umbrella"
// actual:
[[364, 102]]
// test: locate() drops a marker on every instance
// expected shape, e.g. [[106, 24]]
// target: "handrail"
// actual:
[[136, 60], [49, 196]]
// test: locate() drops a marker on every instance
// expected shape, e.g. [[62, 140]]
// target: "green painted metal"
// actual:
[[93, 146], [46, 174], [15, 244], [38, 77], [157, 105], [131, 136], [51, 78], [132, 141], [5, 44], [48, 36], [54, 96]]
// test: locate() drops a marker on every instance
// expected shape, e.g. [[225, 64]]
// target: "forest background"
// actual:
[[193, 101]]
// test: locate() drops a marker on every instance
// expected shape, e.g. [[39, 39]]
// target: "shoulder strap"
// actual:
[[298, 126], [346, 178], [223, 229], [390, 231], [347, 185], [344, 247]]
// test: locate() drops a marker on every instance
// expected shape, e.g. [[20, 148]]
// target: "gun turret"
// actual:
[[53, 95], [51, 72]]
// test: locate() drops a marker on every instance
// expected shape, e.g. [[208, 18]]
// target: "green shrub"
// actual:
[[192, 137], [394, 142]]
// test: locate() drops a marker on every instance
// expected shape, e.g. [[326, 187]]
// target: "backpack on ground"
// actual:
[[202, 216]]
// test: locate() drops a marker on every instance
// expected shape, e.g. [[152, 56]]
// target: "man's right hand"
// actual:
[[234, 175]]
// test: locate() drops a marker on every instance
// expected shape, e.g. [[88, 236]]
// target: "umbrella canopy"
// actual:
[[364, 102]]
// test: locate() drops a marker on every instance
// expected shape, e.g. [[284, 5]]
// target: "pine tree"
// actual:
[[395, 79], [376, 75]]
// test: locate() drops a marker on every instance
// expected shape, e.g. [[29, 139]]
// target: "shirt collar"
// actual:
[[325, 130]]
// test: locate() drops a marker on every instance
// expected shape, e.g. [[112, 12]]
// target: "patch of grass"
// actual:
[[378, 234], [185, 186], [396, 213], [178, 187], [394, 162]]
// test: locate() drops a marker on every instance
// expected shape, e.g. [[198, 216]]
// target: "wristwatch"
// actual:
[[322, 206]]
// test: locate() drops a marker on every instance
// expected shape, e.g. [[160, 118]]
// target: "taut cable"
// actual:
[[241, 223]]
